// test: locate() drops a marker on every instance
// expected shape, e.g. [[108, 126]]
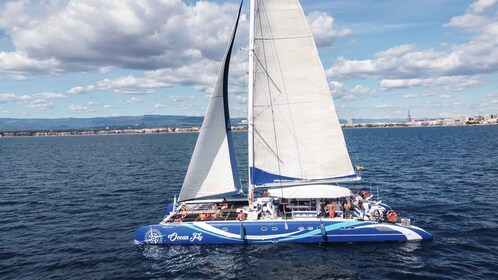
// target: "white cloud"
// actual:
[[349, 97], [131, 85], [409, 95], [49, 95], [133, 100], [107, 106], [105, 69], [339, 90], [17, 77], [80, 90], [406, 66], [183, 102], [15, 62], [361, 90], [158, 106], [443, 83], [383, 106], [79, 108], [94, 35], [40, 104], [36, 101], [180, 99], [323, 29]]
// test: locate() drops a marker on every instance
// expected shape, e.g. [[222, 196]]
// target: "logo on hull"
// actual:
[[153, 236]]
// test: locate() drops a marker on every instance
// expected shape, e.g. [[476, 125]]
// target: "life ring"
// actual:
[[392, 216], [266, 194]]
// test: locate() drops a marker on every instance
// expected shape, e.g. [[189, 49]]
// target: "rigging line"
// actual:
[[271, 107], [267, 145], [266, 72]]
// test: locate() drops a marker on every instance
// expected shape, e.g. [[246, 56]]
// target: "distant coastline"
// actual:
[[195, 129]]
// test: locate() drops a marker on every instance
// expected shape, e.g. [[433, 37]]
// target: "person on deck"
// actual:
[[179, 218], [347, 209], [323, 205], [365, 195], [241, 216], [224, 204], [331, 208]]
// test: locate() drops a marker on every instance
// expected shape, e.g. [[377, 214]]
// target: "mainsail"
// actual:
[[295, 129], [213, 168]]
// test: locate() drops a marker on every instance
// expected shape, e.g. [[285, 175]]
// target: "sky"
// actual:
[[91, 58]]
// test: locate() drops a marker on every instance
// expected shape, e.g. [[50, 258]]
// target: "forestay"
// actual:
[[213, 168], [297, 135]]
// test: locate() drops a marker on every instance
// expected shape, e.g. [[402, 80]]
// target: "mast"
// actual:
[[250, 91]]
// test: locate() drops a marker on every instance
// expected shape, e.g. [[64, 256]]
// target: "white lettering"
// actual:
[[195, 236]]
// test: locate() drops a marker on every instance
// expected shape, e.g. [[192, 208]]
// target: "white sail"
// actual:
[[296, 132], [213, 168]]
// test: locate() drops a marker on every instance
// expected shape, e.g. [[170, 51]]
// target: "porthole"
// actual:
[[224, 229], [310, 228], [300, 228], [274, 228], [263, 229]]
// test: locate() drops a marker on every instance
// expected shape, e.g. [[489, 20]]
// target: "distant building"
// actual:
[[449, 122]]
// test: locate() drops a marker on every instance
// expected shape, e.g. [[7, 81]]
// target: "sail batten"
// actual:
[[213, 168], [297, 135]]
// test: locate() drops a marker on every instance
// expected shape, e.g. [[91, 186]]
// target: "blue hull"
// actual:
[[294, 231]]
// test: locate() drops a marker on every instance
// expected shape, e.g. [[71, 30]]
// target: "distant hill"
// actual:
[[147, 121]]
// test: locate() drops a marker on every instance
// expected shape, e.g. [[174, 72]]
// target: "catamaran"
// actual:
[[297, 154]]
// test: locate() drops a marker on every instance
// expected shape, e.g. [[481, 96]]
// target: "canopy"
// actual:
[[311, 191]]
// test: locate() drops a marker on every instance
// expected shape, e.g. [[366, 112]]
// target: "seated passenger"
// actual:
[[179, 218], [224, 204], [218, 215], [241, 216], [215, 206], [365, 195], [185, 207], [266, 215]]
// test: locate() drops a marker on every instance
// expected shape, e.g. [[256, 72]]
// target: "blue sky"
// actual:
[[438, 58]]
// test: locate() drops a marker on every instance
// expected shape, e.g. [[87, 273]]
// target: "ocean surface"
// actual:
[[69, 207]]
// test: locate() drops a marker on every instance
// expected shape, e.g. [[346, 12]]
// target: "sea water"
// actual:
[[69, 207]]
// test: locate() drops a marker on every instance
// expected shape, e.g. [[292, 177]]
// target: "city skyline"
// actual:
[[88, 59]]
